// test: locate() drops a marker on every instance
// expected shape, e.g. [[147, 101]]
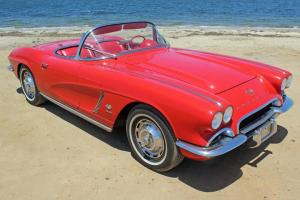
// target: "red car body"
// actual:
[[188, 87]]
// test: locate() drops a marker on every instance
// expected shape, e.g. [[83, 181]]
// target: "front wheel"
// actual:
[[151, 139], [29, 87]]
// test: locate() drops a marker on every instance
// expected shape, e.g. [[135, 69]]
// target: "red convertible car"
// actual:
[[174, 102]]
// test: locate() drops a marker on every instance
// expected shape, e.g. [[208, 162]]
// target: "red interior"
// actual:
[[148, 43], [71, 51], [112, 47]]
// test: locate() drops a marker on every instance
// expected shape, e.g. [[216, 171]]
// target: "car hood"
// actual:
[[211, 74]]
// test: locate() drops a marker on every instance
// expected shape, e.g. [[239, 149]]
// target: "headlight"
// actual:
[[289, 81], [217, 120], [227, 114], [283, 84]]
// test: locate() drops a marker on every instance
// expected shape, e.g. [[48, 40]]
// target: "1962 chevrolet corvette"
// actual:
[[174, 103]]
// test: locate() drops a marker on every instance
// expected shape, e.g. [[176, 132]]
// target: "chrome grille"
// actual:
[[256, 119]]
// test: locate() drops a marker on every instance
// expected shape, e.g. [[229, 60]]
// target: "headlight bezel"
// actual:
[[217, 120], [227, 116], [289, 81], [283, 84], [286, 83]]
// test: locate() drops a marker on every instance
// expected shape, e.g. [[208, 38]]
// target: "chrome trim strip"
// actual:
[[225, 131], [92, 121], [10, 68], [227, 144], [101, 96], [254, 111]]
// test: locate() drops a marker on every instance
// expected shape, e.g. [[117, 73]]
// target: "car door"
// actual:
[[60, 79], [98, 98], [92, 87]]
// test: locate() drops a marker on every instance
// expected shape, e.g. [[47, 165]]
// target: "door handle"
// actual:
[[44, 65]]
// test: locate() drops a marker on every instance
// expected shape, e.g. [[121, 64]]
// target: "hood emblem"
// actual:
[[249, 91]]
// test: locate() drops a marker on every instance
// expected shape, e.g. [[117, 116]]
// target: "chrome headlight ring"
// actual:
[[289, 81], [227, 114], [283, 84], [286, 83], [217, 120]]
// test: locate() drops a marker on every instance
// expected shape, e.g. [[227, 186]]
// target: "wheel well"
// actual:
[[18, 69], [121, 119]]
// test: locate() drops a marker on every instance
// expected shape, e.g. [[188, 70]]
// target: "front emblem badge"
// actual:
[[249, 91]]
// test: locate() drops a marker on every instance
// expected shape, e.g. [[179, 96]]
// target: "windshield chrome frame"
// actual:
[[114, 56]]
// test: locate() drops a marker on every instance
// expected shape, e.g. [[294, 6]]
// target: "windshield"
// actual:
[[113, 40]]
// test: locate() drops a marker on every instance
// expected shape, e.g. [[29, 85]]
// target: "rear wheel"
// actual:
[[151, 139], [29, 87]]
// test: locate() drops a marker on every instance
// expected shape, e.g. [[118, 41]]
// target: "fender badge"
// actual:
[[108, 108]]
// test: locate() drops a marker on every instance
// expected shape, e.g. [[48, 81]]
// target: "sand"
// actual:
[[48, 153]]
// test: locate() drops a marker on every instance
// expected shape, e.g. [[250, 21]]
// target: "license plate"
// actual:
[[264, 132]]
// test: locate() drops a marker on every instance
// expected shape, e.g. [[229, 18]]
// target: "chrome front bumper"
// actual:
[[228, 143]]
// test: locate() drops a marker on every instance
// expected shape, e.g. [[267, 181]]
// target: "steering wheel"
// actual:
[[131, 41]]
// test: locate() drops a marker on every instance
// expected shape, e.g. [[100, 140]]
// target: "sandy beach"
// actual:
[[48, 153]]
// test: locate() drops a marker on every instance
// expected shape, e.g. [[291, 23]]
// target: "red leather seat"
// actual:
[[71, 51], [112, 47], [68, 51], [148, 43], [86, 53]]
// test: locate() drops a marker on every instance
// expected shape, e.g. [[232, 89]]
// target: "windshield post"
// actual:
[[83, 37]]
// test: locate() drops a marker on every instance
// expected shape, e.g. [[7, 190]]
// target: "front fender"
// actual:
[[188, 114]]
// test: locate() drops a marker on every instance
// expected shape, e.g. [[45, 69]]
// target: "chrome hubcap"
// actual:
[[149, 139], [28, 85]]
